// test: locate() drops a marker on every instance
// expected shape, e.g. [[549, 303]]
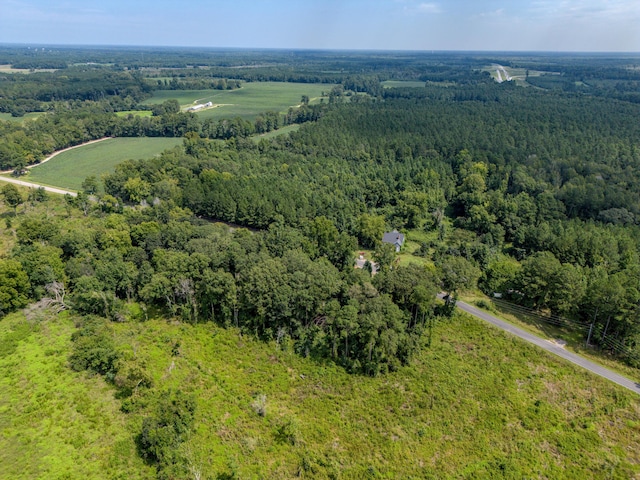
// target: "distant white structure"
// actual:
[[195, 108], [501, 71]]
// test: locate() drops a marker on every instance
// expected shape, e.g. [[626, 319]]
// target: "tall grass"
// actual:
[[476, 404]]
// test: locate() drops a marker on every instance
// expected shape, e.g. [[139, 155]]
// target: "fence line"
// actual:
[[609, 342]]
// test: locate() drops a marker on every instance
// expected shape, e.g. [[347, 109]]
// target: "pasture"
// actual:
[[246, 102], [70, 168]]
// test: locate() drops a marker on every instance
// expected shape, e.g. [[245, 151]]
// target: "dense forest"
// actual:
[[543, 180], [527, 191]]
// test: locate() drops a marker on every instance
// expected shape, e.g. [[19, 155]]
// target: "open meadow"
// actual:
[[70, 168], [402, 84], [135, 113], [7, 117], [246, 102], [475, 403]]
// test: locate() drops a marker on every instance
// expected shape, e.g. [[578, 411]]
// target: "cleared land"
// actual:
[[519, 75], [135, 113], [29, 116], [276, 133], [402, 84], [56, 423], [70, 168], [9, 69], [246, 102], [476, 404]]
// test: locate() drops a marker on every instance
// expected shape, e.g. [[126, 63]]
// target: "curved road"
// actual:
[[36, 185], [49, 189], [550, 347]]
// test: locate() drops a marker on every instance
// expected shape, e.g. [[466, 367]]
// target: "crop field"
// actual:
[[70, 168], [477, 403], [247, 102]]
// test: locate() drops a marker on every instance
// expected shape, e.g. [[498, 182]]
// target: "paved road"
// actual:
[[35, 185], [551, 347]]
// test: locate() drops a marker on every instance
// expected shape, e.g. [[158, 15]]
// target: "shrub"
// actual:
[[260, 404], [93, 349]]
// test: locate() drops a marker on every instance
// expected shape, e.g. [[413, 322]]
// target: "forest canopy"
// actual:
[[525, 189]]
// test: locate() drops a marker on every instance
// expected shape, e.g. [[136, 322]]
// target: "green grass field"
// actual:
[[247, 102], [276, 133], [56, 423], [476, 404], [70, 168], [402, 84], [7, 117], [135, 113]]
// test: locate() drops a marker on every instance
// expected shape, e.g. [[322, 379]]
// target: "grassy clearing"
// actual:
[[55, 423], [69, 169], [402, 84], [135, 113], [9, 69], [414, 240], [7, 117], [476, 404], [247, 102], [277, 133]]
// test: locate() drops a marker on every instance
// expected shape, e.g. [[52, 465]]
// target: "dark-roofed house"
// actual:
[[395, 238]]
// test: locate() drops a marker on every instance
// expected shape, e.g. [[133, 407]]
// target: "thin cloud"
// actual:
[[424, 8], [588, 10], [429, 8], [493, 14], [64, 13]]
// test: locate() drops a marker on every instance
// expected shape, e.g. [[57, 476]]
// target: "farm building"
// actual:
[[195, 108]]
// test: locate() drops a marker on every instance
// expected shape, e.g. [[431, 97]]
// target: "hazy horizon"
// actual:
[[568, 26], [309, 49]]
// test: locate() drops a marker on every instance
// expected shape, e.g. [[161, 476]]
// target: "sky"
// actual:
[[470, 25]]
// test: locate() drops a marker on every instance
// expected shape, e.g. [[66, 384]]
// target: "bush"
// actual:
[[288, 431], [93, 349], [485, 304], [163, 433]]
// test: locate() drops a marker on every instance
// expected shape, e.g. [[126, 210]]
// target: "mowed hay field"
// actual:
[[70, 168], [246, 102]]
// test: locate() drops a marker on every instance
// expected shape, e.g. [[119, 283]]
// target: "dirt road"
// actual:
[[35, 185], [60, 191]]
